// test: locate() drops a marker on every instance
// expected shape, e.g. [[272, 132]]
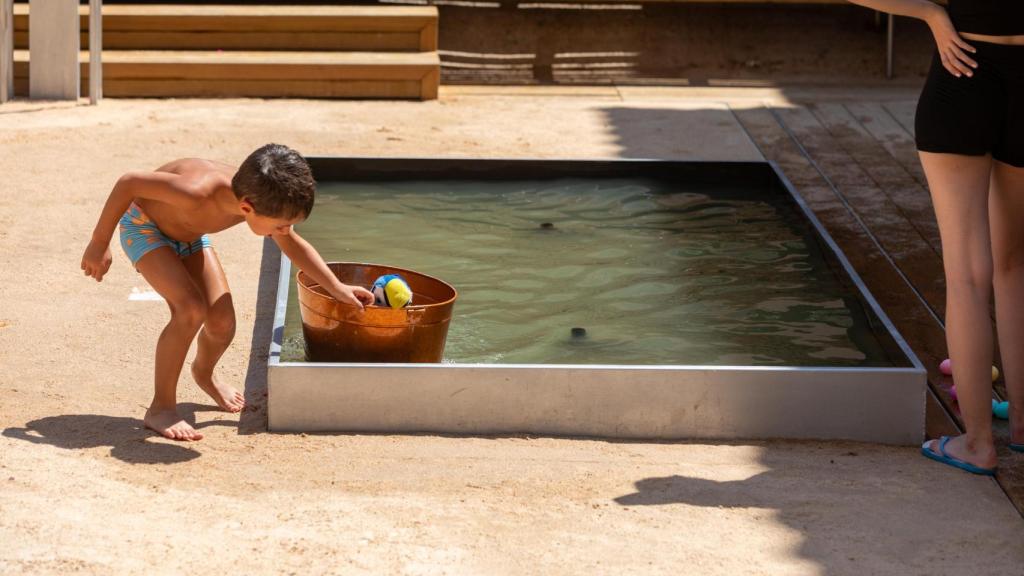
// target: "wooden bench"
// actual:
[[305, 28], [258, 51], [206, 74]]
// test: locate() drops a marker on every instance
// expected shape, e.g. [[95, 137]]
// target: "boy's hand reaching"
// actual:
[[96, 260], [355, 295]]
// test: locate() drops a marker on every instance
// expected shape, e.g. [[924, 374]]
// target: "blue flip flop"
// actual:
[[945, 458]]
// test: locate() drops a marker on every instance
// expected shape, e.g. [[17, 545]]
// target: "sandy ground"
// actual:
[[83, 488]]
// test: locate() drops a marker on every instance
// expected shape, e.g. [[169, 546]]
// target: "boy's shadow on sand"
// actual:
[[129, 439]]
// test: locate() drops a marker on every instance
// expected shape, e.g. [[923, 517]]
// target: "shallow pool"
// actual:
[[653, 272]]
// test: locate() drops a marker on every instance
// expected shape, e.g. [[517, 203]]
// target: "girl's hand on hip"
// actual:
[[952, 48]]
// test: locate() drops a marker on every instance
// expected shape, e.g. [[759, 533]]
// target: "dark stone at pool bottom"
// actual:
[[578, 332], [547, 226]]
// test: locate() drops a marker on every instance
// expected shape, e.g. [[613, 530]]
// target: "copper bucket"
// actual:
[[337, 332]]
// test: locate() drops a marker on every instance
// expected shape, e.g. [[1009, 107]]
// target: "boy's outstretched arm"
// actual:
[[161, 186], [303, 255]]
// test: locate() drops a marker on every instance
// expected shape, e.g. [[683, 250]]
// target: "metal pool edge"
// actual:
[[885, 405]]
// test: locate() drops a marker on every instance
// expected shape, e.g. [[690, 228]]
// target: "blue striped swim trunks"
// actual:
[[140, 236]]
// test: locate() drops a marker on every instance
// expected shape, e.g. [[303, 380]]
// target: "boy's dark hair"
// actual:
[[277, 181]]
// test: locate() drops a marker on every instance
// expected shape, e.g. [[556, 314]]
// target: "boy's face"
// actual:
[[267, 225]]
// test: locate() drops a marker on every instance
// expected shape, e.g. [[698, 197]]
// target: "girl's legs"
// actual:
[[959, 188], [1006, 213]]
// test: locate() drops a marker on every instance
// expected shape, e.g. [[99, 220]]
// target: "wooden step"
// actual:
[[301, 28], [153, 73]]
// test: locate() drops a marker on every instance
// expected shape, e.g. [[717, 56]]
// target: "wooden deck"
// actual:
[[856, 165]]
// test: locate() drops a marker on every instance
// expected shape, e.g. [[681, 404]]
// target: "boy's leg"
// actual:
[[163, 269], [959, 188], [1006, 209], [218, 328]]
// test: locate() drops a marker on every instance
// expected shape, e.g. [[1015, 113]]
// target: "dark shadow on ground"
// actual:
[[711, 133], [858, 508], [254, 418], [128, 437]]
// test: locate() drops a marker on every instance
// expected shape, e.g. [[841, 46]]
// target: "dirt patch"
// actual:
[[83, 488]]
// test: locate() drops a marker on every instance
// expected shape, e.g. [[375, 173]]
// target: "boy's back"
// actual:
[[207, 204]]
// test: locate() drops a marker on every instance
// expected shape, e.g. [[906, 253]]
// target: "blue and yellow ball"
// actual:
[[391, 290]]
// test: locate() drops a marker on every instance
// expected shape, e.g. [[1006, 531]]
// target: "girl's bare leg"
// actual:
[[960, 188], [1006, 213]]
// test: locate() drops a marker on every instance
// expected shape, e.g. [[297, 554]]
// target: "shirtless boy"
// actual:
[[164, 219]]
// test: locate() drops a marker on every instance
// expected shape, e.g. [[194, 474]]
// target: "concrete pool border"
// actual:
[[664, 402]]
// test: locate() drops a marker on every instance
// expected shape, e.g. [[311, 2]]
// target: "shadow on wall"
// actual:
[[711, 133]]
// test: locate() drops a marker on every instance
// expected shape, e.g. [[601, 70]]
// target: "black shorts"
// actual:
[[978, 115]]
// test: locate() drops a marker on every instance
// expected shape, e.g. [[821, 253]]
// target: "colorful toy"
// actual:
[[946, 367], [1001, 410], [391, 290]]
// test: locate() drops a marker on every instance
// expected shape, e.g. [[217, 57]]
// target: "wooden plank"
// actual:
[[874, 117], [54, 48], [910, 252], [270, 74], [364, 41], [255, 18], [303, 23], [404, 89], [122, 88], [899, 186], [289, 41], [429, 37], [256, 11], [903, 112], [430, 84], [175, 57]]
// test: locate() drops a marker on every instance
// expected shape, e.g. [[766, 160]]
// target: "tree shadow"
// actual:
[[129, 439]]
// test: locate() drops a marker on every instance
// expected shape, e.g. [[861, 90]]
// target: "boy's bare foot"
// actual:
[[225, 396], [169, 424]]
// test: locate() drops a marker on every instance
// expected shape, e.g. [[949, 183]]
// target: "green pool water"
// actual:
[[654, 272]]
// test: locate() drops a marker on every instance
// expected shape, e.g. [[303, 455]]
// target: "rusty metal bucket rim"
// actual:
[[299, 274], [309, 310]]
